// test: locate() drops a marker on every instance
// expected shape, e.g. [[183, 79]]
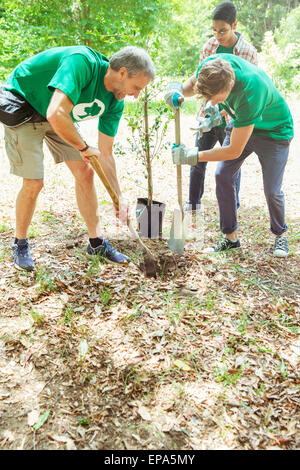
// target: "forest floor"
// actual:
[[97, 356]]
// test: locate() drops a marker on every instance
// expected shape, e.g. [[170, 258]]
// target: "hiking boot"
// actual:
[[22, 255], [223, 245], [281, 247], [107, 251]]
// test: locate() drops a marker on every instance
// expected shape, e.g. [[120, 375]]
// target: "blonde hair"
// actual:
[[215, 75]]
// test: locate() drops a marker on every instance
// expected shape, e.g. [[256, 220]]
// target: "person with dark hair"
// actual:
[[262, 123], [225, 40], [41, 101], [225, 11]]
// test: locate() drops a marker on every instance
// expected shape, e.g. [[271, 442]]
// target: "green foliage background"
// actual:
[[174, 31]]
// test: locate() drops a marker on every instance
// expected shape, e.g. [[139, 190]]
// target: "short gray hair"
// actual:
[[135, 59]]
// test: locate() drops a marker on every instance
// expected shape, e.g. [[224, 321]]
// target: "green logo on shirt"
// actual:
[[84, 111]]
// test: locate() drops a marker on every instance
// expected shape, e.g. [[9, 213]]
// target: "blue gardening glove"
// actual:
[[174, 96], [181, 155]]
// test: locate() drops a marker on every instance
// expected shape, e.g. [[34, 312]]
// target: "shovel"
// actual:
[[149, 261], [177, 235]]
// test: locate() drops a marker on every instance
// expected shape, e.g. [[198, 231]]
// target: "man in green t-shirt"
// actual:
[[225, 39], [262, 123], [42, 100]]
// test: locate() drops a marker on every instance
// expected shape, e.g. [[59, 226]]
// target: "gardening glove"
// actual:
[[211, 110], [206, 124], [174, 96], [182, 155]]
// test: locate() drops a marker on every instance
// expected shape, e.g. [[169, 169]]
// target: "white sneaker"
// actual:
[[281, 247]]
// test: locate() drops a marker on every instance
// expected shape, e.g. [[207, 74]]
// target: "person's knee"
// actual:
[[32, 186], [84, 176], [222, 175], [199, 169], [273, 194]]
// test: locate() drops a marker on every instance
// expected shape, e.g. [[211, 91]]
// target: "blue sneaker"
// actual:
[[107, 251], [22, 255]]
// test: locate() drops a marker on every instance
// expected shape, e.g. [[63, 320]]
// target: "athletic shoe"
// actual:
[[107, 251], [223, 245], [281, 247], [22, 255]]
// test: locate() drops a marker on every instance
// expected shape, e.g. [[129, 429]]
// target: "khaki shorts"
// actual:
[[24, 148]]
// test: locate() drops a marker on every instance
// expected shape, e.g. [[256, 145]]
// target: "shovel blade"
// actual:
[[177, 235]]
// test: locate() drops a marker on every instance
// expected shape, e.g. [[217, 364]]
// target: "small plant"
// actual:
[[46, 283], [4, 228], [227, 376], [37, 318], [283, 370], [130, 376], [134, 313], [95, 266], [47, 216], [83, 422], [5, 253], [260, 390], [105, 295], [69, 315], [242, 323], [146, 139], [33, 231], [209, 302]]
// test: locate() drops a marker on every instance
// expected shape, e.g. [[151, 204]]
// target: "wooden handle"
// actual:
[[98, 169], [177, 126], [115, 199], [178, 167]]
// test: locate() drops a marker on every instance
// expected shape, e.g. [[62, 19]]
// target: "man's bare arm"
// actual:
[[58, 114], [238, 140], [188, 86]]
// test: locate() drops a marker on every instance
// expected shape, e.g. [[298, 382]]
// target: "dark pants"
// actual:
[[273, 155], [197, 173]]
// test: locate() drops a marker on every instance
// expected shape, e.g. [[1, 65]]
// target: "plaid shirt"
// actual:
[[242, 48]]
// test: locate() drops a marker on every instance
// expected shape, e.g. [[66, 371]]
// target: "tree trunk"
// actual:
[[85, 15], [147, 149]]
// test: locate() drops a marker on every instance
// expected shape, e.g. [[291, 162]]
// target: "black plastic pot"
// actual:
[[150, 218]]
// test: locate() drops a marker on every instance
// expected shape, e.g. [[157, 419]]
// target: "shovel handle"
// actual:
[[177, 126], [115, 199], [98, 169], [178, 167]]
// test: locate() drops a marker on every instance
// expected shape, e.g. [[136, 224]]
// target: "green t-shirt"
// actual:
[[254, 99], [225, 50], [78, 71]]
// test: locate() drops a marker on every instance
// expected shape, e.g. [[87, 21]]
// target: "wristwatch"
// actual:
[[84, 148]]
